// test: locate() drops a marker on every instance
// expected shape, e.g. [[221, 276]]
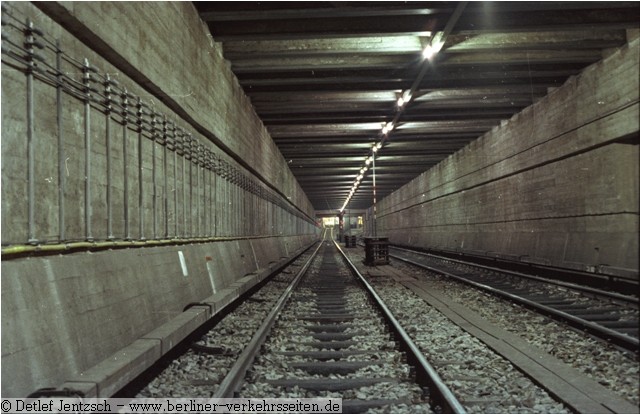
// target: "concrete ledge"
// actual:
[[88, 389], [619, 272], [532, 260], [572, 265], [222, 299], [110, 375], [243, 284], [597, 270], [511, 257], [473, 252], [115, 372], [178, 328]]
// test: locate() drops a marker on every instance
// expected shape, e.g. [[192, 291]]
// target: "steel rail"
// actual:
[[587, 289], [235, 376], [614, 337], [440, 393]]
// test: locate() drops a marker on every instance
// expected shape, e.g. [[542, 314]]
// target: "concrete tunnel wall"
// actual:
[[208, 209], [556, 184]]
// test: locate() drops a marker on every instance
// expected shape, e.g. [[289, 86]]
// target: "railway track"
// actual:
[[317, 330], [331, 336], [610, 316]]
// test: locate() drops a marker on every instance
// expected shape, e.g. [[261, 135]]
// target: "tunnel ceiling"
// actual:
[[325, 77]]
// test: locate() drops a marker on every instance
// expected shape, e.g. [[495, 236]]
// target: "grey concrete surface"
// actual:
[[63, 315], [77, 313], [198, 202], [556, 184], [203, 74]]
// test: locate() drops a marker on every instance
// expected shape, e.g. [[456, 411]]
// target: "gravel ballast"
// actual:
[[290, 334], [196, 374], [613, 368], [482, 380]]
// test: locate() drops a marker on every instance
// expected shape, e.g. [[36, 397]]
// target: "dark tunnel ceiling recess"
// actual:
[[324, 77]]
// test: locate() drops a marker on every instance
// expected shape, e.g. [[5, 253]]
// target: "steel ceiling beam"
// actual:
[[324, 76]]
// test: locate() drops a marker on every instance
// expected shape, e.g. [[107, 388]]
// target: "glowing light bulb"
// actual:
[[428, 52], [431, 49]]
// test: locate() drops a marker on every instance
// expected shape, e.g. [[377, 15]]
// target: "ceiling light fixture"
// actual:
[[404, 98], [428, 52], [436, 43], [432, 49]]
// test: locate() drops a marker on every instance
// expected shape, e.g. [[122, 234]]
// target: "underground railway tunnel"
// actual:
[[162, 160]]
